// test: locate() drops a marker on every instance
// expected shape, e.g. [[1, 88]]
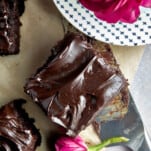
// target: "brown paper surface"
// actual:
[[41, 29], [128, 58]]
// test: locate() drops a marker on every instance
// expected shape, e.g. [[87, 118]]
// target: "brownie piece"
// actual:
[[17, 132], [76, 83], [10, 11]]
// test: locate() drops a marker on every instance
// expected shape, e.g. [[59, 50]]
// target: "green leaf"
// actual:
[[107, 142]]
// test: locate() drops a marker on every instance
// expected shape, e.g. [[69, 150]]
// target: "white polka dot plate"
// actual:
[[138, 33]]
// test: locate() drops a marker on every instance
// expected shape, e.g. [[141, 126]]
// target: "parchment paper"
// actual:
[[41, 29]]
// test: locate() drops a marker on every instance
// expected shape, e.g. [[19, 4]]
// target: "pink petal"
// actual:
[[70, 144], [95, 5], [125, 11], [109, 17], [146, 3], [113, 13], [131, 14]]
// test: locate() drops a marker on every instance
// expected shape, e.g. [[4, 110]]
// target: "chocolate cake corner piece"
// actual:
[[76, 84], [17, 132], [10, 12]]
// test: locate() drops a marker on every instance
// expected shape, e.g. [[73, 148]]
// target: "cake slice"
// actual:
[[10, 11], [17, 132], [77, 83]]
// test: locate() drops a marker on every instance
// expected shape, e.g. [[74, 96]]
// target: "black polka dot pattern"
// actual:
[[138, 33]]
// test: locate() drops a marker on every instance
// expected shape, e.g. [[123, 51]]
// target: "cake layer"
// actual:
[[76, 83], [10, 11], [17, 132]]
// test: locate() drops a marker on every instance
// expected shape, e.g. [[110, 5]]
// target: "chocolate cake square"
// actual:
[[10, 11], [76, 83], [17, 132]]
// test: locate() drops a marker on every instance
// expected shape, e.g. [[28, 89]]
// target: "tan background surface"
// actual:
[[40, 30], [128, 58]]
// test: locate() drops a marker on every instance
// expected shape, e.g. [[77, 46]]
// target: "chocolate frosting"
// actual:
[[75, 84], [17, 132], [7, 145]]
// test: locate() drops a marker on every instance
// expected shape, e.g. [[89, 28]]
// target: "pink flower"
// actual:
[[113, 11], [66, 143]]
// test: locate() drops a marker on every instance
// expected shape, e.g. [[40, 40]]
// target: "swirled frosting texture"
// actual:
[[75, 84], [17, 132]]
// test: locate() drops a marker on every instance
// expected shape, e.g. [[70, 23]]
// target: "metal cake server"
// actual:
[[118, 148], [141, 91]]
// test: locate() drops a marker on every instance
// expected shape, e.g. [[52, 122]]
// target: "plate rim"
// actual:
[[102, 40]]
